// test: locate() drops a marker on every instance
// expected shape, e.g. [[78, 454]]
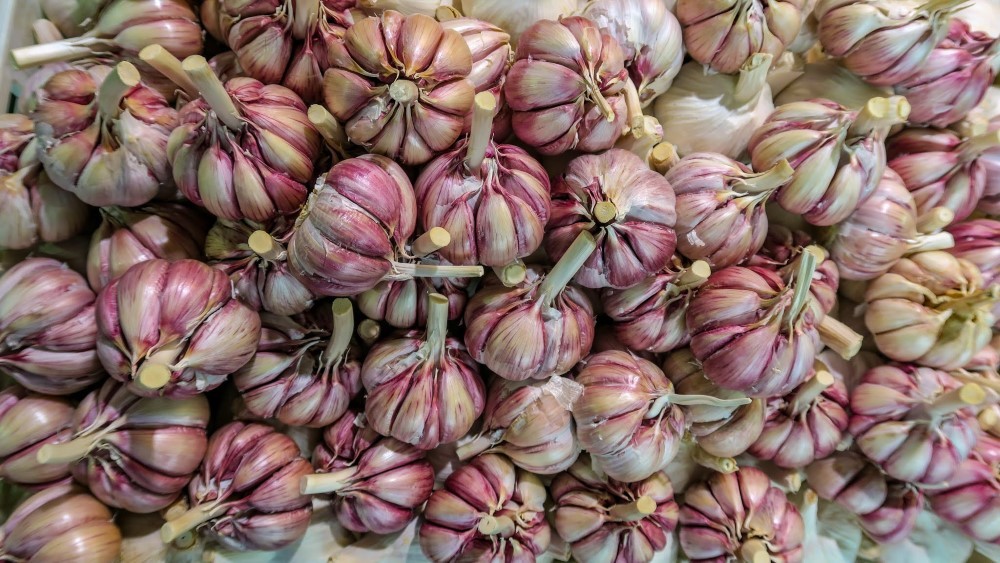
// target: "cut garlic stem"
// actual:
[[663, 157], [65, 50], [343, 329], [474, 448], [713, 462], [880, 114], [119, 82], [511, 274], [935, 220], [975, 146], [605, 212], [989, 421], [304, 13], [45, 31], [404, 92], [437, 323], [753, 78], [189, 521], [803, 279], [481, 130], [153, 375], [328, 126], [769, 180], [926, 243], [839, 337], [968, 395], [754, 551], [170, 66], [567, 267], [496, 526], [430, 242], [213, 91], [633, 511], [966, 377], [663, 401], [319, 483], [266, 246], [67, 452], [636, 120], [369, 331], [696, 274], [810, 390], [436, 271]]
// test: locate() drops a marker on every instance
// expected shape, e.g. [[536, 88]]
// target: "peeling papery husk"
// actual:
[[883, 41], [47, 328], [739, 515], [971, 500], [126, 237], [423, 387], [133, 453], [246, 494], [531, 422], [720, 207], [838, 154], [244, 150], [782, 252], [849, 480], [806, 424], [721, 431], [943, 169], [723, 37], [698, 102], [254, 257], [606, 520], [877, 234], [34, 210], [625, 418], [60, 523], [831, 81], [896, 518], [516, 16], [628, 208], [954, 78], [569, 88], [303, 375], [400, 84], [488, 510], [104, 139], [378, 484], [403, 303], [173, 328], [650, 316], [651, 38], [931, 309], [918, 424], [30, 421], [407, 7]]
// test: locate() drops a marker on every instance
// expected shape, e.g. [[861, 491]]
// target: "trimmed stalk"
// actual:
[[810, 390], [118, 83], [430, 242], [188, 521], [266, 246], [605, 212], [769, 180], [68, 452], [404, 92], [496, 526], [839, 337], [926, 243], [481, 130], [153, 375], [966, 377], [633, 511], [803, 279], [754, 551], [369, 331], [170, 66], [752, 78], [319, 483], [696, 274], [935, 220], [65, 50], [663, 157], [213, 91], [437, 324], [989, 421], [328, 126], [968, 395], [343, 329], [567, 266], [663, 401], [435, 271], [713, 462], [880, 114], [511, 274], [45, 31], [636, 120]]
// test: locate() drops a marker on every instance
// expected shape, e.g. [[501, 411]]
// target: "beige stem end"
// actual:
[[168, 65], [935, 220], [840, 338], [369, 331], [496, 526], [754, 551], [212, 90], [968, 395], [430, 242], [633, 511], [511, 274], [45, 31], [481, 130], [154, 376], [663, 157], [187, 522], [696, 274], [265, 246], [605, 212], [331, 129], [713, 462]]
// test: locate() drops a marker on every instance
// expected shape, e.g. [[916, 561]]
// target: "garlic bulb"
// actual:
[[971, 499], [29, 422], [698, 105], [403, 303], [897, 516], [850, 480], [492, 55], [515, 16], [651, 37], [978, 241], [408, 7], [830, 81]]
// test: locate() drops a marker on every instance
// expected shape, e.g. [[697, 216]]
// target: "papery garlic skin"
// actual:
[[697, 102], [174, 318], [400, 85], [16, 133], [30, 421], [734, 515], [978, 241], [971, 499], [850, 480], [492, 55], [47, 329], [488, 510], [895, 424], [723, 35], [567, 87], [621, 418], [931, 309], [589, 515], [516, 16], [828, 80], [651, 37], [61, 523], [629, 209]]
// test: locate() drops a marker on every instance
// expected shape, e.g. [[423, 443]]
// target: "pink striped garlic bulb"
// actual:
[[805, 425], [378, 484], [492, 56], [531, 422], [303, 376], [488, 510], [569, 88], [841, 164], [47, 329], [403, 303], [721, 207], [173, 328], [246, 494], [29, 422], [651, 315], [850, 480], [132, 452], [971, 500], [400, 84], [628, 208], [978, 241], [740, 515], [897, 517], [608, 521], [723, 36], [954, 78], [916, 423], [883, 41], [423, 388], [782, 253], [941, 168]]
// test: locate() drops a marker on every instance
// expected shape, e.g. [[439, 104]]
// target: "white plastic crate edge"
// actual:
[[16, 17]]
